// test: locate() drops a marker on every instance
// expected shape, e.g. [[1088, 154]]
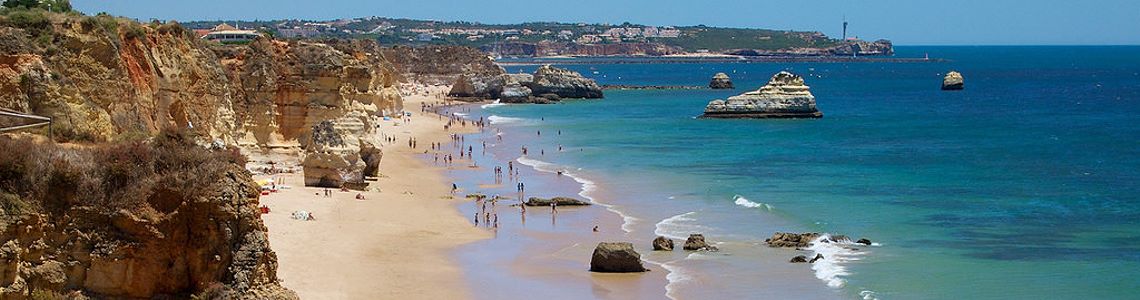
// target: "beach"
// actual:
[[395, 244]]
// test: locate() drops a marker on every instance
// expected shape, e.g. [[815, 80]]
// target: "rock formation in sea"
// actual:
[[103, 78], [561, 201], [616, 257], [697, 242], [564, 83], [547, 85], [164, 218], [799, 259], [662, 244], [785, 96], [953, 81], [721, 81], [791, 240]]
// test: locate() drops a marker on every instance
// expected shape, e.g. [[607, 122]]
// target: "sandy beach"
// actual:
[[393, 245]]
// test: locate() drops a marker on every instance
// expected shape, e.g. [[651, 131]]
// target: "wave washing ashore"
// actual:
[[1045, 207]]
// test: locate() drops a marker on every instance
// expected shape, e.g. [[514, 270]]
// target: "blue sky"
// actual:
[[906, 22]]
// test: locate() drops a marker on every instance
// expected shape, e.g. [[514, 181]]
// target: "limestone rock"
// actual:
[[785, 96], [616, 257], [662, 244], [697, 242], [864, 242], [816, 258], [721, 81], [561, 201], [515, 93], [564, 83], [791, 240], [799, 259], [953, 81]]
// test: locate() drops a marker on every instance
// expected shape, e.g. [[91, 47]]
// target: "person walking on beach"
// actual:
[[454, 187], [553, 206], [476, 219]]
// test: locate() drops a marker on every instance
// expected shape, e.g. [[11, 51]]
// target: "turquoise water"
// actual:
[[1023, 186]]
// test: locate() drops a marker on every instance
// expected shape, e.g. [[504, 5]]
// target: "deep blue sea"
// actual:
[[1025, 185]]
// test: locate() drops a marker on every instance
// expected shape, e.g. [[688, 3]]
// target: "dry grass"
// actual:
[[137, 175]]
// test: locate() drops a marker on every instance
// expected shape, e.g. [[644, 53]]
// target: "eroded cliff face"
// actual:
[[102, 78], [440, 64]]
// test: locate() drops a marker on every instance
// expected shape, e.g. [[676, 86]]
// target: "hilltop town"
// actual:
[[565, 39]]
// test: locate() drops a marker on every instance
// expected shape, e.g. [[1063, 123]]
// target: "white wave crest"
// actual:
[[492, 104], [678, 227], [740, 200], [506, 120], [832, 268]]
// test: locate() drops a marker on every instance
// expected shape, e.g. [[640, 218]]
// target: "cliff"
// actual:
[[162, 218], [574, 49], [439, 64], [103, 78], [547, 85], [847, 48], [108, 80]]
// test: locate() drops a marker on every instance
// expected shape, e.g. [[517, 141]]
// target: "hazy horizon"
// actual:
[[906, 23]]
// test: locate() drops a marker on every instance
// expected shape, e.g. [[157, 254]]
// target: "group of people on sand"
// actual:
[[490, 217]]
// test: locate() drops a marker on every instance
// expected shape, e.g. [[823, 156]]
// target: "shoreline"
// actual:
[[540, 251], [604, 60], [394, 244]]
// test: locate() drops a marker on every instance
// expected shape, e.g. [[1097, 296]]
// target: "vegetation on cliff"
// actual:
[[156, 217]]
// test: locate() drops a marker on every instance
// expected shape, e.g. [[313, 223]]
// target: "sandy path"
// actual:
[[394, 245]]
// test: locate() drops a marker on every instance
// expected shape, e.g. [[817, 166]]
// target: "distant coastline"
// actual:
[[700, 59]]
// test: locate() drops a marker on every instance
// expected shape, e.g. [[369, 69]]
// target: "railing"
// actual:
[[43, 121]]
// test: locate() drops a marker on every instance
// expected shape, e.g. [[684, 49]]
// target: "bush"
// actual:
[[138, 175], [134, 31]]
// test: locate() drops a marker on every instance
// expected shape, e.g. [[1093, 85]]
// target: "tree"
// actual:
[[21, 3]]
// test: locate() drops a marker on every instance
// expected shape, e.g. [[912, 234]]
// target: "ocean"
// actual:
[[1022, 186]]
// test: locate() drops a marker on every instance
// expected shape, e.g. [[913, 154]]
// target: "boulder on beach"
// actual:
[[953, 81], [616, 257], [785, 96], [791, 240], [816, 258], [662, 244], [697, 242], [799, 259], [864, 242], [721, 81], [561, 201]]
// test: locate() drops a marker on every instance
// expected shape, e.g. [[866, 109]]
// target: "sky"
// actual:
[[905, 22]]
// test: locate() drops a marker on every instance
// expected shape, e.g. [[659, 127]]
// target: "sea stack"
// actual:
[[785, 96], [720, 81], [953, 81]]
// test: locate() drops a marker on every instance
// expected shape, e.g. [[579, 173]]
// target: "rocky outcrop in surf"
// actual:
[[547, 85], [721, 81], [616, 257], [785, 96], [791, 240], [662, 244], [953, 81], [559, 201], [696, 242], [564, 83]]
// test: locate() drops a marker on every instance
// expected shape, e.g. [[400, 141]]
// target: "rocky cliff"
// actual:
[[163, 218], [440, 64], [785, 96], [848, 48], [103, 78], [574, 49]]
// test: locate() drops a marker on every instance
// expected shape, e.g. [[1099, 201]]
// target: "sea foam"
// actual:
[[500, 120], [832, 268], [740, 200], [492, 104]]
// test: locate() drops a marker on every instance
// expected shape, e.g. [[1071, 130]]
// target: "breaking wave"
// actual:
[[588, 186], [740, 200]]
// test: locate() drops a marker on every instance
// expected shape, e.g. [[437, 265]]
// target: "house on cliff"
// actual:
[[224, 33]]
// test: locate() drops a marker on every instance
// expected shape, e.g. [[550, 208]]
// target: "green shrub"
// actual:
[[134, 31]]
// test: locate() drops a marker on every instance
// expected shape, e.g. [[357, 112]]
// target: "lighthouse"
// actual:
[[844, 28]]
